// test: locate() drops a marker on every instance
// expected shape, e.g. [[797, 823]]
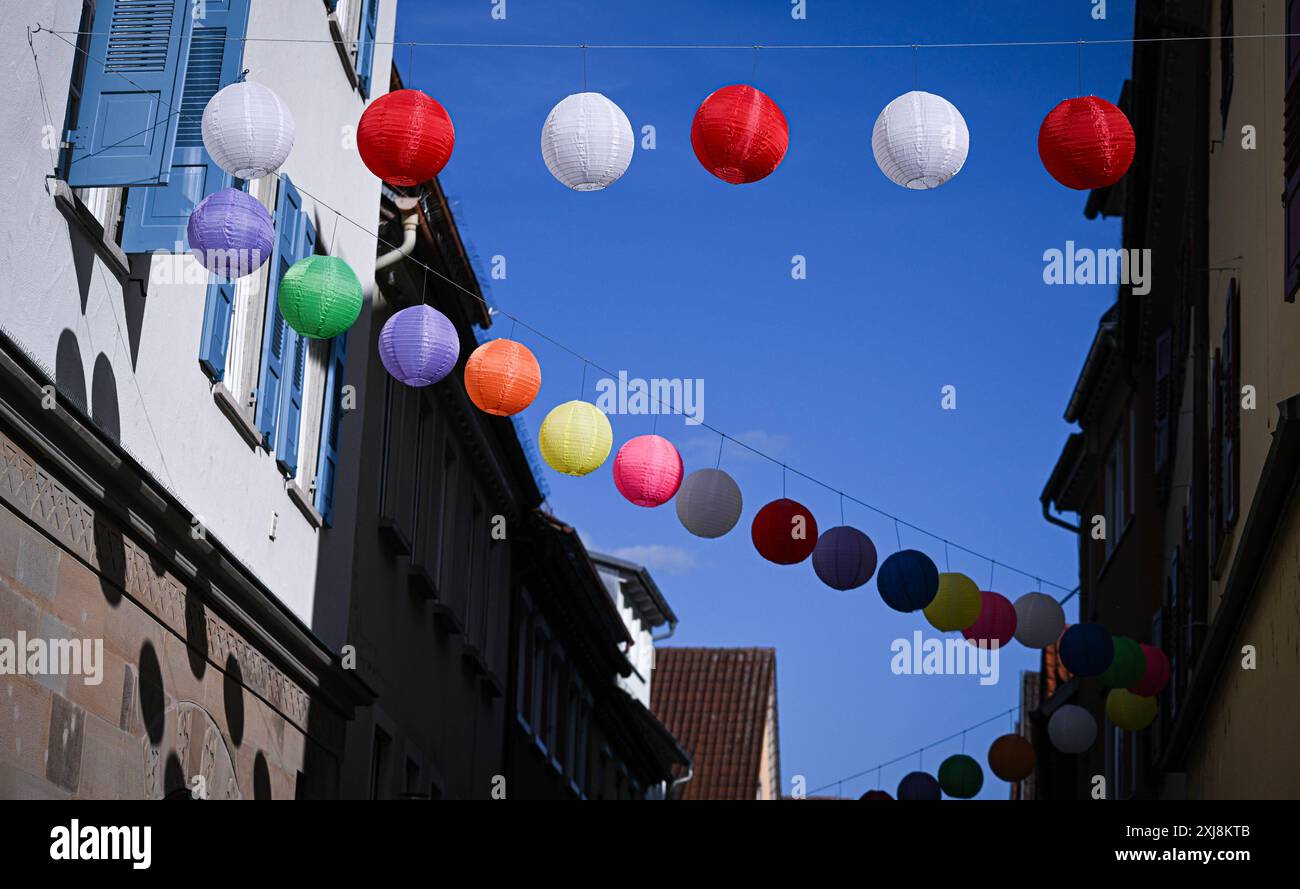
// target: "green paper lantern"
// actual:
[[1127, 666], [320, 296], [960, 776]]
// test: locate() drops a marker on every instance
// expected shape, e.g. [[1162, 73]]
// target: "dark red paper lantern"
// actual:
[[405, 137], [876, 794], [1086, 143], [739, 134], [780, 536]]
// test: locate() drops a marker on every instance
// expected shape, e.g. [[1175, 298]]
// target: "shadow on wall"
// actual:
[[70, 380], [232, 693], [69, 372]]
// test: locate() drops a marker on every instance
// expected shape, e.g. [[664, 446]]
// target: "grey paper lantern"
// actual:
[[247, 130], [587, 142], [1040, 619], [920, 140], [709, 503], [1072, 729]]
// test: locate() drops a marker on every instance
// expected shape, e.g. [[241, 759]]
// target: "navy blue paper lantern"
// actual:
[[1087, 649], [844, 558], [919, 785], [908, 581], [230, 233]]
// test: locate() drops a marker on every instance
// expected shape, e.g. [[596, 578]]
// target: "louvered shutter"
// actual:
[[296, 353], [327, 470], [155, 218], [288, 216], [366, 44], [126, 120]]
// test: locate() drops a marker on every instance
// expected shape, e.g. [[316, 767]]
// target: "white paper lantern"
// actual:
[[709, 503], [247, 130], [1072, 729], [920, 140], [1040, 620], [587, 142]]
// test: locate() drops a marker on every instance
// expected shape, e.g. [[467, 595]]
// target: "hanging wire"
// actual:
[[981, 44], [722, 439], [1079, 64], [906, 756]]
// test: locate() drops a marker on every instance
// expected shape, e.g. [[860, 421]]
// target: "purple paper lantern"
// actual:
[[845, 558], [419, 345], [230, 233]]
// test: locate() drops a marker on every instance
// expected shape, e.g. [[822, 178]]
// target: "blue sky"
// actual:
[[673, 273]]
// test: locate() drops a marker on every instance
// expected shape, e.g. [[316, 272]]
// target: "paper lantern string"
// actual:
[[722, 439], [906, 756], [380, 240]]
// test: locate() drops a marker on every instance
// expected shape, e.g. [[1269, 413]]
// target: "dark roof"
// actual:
[[1096, 366], [641, 590], [714, 701]]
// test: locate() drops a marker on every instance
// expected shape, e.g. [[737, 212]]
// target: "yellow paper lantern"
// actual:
[[1129, 711], [575, 438], [957, 604]]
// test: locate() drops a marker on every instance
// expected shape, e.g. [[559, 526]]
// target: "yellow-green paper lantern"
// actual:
[[320, 296], [957, 604], [575, 438], [1129, 711]]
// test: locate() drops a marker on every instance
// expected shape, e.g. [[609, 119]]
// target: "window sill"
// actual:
[[235, 414], [77, 212], [447, 619], [341, 44], [303, 502]]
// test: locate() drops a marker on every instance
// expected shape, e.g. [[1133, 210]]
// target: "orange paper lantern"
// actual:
[[502, 377], [1011, 758]]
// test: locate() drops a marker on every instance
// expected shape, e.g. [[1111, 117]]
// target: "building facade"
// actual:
[[1187, 408], [170, 447]]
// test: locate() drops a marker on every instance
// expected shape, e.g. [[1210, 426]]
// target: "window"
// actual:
[[356, 24], [412, 785], [143, 77], [293, 386], [524, 692], [380, 754], [541, 711], [558, 740], [397, 478], [1291, 152], [1117, 493], [582, 743], [1163, 408], [1225, 427], [1225, 60]]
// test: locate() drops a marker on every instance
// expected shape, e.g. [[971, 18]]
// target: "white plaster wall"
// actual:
[[169, 420]]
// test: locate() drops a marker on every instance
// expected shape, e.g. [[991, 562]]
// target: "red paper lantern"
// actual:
[[784, 532], [1086, 143], [405, 137], [739, 134], [996, 623], [1156, 676], [876, 794]]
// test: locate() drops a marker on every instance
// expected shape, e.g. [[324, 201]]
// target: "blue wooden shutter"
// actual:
[[366, 44], [288, 216], [296, 353], [327, 470], [126, 122], [214, 340], [155, 218]]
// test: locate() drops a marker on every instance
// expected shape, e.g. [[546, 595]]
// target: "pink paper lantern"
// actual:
[[648, 470], [1156, 676], [996, 623]]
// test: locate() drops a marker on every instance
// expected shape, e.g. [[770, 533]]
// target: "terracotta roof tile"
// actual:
[[714, 701]]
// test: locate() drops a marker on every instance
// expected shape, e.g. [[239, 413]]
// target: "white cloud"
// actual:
[[657, 557]]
